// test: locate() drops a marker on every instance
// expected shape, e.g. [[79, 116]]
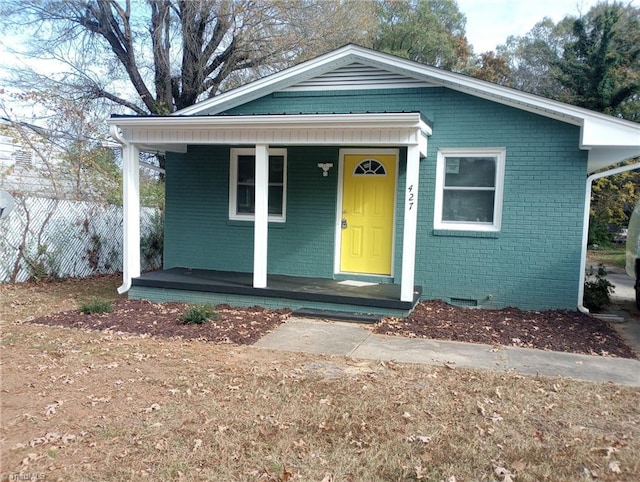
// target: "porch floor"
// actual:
[[299, 290]]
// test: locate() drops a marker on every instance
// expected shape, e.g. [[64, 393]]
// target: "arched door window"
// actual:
[[370, 167]]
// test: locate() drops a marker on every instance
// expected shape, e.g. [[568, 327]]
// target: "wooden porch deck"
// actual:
[[291, 291]]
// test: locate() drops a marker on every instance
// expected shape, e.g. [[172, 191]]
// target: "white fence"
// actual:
[[46, 237]]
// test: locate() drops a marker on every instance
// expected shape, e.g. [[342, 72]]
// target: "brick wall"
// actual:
[[532, 263]]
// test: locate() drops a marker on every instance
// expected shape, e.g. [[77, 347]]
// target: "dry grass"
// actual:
[[614, 256], [79, 405], [25, 301]]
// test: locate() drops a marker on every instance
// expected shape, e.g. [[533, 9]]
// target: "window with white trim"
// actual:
[[242, 184], [469, 189]]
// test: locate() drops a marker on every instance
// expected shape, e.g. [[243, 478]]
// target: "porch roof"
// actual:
[[175, 133]]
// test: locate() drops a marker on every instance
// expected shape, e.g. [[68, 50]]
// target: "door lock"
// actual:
[[343, 224]]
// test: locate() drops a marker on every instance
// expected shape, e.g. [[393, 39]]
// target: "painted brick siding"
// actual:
[[199, 233], [532, 263]]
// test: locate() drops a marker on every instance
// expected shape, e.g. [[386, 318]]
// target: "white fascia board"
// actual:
[[270, 122], [610, 132]]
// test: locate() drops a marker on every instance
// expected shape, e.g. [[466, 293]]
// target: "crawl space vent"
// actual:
[[464, 302]]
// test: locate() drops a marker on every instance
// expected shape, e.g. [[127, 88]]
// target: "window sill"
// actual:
[[466, 234], [248, 223]]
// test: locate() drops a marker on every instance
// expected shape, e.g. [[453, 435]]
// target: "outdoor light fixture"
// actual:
[[325, 166]]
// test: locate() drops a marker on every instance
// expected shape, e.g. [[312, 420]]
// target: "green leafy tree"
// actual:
[[427, 31], [600, 68], [613, 198], [592, 61], [532, 58]]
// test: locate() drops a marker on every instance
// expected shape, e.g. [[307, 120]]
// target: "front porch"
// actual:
[[317, 296]]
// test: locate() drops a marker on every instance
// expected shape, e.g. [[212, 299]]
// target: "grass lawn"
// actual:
[[614, 256], [85, 405]]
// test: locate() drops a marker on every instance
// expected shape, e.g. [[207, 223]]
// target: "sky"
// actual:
[[490, 22]]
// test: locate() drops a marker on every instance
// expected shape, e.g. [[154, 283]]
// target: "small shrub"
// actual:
[[597, 289], [43, 265], [199, 314], [96, 306], [599, 235]]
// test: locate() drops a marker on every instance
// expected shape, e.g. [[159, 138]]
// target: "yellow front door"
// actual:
[[368, 203]]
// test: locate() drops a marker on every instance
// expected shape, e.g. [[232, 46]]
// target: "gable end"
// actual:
[[357, 76]]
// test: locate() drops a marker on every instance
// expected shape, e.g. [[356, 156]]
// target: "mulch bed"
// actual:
[[547, 330], [557, 330], [242, 326]]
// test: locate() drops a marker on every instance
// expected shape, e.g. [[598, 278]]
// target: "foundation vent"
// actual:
[[464, 302]]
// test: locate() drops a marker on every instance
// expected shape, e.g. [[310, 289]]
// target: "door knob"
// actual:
[[344, 223]]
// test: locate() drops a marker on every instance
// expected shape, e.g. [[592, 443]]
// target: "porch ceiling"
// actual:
[[173, 133]]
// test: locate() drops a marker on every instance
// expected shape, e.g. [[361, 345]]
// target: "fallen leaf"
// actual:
[[328, 478], [286, 475], [197, 444], [504, 474], [51, 409], [152, 408], [614, 466], [519, 465]]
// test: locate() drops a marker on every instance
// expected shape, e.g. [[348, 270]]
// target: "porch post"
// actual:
[[131, 212], [261, 223], [410, 223]]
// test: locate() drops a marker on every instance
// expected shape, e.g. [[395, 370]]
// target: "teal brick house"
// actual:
[[361, 182]]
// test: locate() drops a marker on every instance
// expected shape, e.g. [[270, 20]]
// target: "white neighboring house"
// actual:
[[33, 168]]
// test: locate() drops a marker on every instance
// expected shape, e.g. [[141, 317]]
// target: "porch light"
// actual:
[[325, 166]]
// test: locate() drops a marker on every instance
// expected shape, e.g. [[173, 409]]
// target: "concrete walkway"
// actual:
[[356, 341]]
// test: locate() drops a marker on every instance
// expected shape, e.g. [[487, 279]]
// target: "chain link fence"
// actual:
[[47, 238]]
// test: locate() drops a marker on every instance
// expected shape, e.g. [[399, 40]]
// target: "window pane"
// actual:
[[470, 171], [245, 185], [276, 169], [275, 200], [246, 169], [246, 199], [468, 206]]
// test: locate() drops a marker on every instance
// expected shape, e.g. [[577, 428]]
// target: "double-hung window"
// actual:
[[242, 184], [469, 187]]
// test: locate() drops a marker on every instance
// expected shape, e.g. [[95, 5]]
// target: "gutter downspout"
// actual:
[[585, 225], [116, 133]]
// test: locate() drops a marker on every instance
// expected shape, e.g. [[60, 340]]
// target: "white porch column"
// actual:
[[410, 223], [261, 223], [131, 212]]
